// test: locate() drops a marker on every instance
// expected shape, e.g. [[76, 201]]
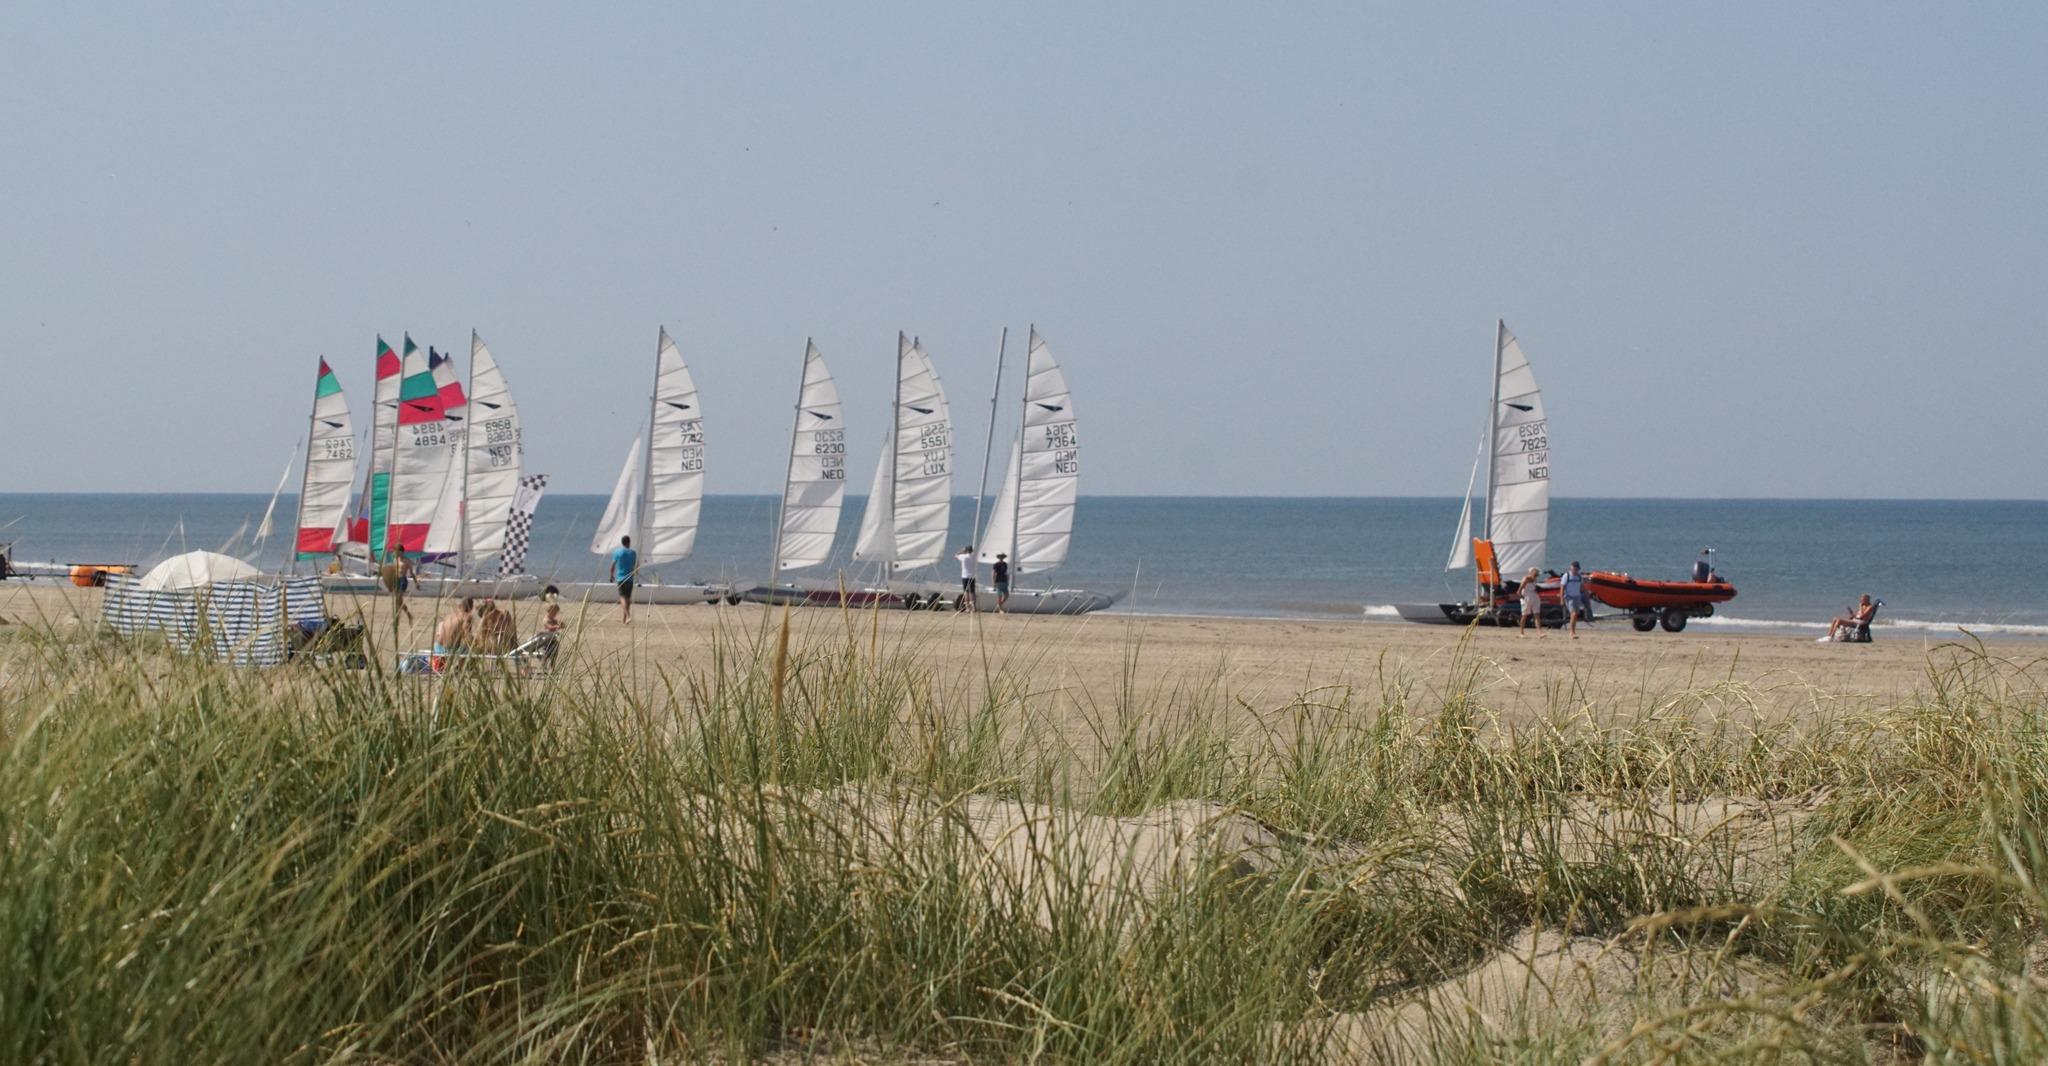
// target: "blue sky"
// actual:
[[1752, 250]]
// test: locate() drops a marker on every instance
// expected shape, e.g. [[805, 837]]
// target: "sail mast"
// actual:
[[988, 446], [895, 475], [468, 442], [391, 472], [312, 426], [796, 424]]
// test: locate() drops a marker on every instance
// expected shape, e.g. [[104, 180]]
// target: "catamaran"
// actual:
[[1032, 521], [329, 473], [909, 505], [660, 491], [1515, 450], [813, 484]]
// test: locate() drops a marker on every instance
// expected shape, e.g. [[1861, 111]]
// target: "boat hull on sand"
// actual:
[[930, 596], [436, 587], [1507, 613], [526, 588]]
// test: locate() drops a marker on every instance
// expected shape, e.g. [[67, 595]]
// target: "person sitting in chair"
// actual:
[[1854, 620]]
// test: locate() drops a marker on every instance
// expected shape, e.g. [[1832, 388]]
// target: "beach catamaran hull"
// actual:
[[436, 587], [1507, 613], [929, 596], [649, 594]]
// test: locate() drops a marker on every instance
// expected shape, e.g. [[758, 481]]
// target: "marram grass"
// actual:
[[840, 856]]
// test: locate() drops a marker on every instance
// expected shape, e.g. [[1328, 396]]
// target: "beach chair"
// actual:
[[1860, 632], [537, 653]]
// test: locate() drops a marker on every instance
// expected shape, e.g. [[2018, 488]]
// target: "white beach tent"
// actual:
[[196, 570]]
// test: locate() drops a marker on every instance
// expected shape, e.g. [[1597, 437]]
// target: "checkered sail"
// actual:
[[519, 524]]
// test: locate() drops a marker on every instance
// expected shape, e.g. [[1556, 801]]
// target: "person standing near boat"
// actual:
[[1532, 603], [625, 567], [1576, 601], [966, 557], [1000, 573]]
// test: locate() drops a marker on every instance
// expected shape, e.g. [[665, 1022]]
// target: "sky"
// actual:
[[1750, 249]]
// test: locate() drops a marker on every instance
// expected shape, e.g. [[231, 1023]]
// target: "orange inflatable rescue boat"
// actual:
[[1652, 602]]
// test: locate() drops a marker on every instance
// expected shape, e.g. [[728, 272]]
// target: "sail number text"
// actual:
[[690, 434], [1065, 444], [1535, 440], [829, 445]]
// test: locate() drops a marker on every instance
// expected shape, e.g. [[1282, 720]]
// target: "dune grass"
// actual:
[[851, 858]]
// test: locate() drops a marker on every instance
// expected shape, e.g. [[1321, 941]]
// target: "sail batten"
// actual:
[[815, 484], [1033, 519]]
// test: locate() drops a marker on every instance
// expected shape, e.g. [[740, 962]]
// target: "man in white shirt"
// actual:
[[966, 557]]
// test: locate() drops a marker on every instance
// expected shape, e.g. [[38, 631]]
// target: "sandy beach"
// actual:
[[1241, 665]]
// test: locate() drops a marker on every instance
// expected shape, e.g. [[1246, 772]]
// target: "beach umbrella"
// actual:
[[196, 570]]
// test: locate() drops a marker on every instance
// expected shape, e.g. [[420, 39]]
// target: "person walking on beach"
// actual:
[[1532, 603], [966, 557], [625, 567], [1576, 601], [396, 574], [1000, 573]]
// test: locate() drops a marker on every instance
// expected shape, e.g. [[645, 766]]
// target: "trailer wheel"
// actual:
[[732, 598], [1673, 621], [1644, 621]]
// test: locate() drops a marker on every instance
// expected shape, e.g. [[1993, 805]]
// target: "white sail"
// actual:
[[429, 441], [622, 514], [493, 452], [266, 527], [330, 470], [816, 482], [1518, 488], [1033, 520], [911, 502], [661, 484], [674, 483], [1461, 545]]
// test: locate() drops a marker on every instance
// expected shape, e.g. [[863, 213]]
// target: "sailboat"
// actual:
[[660, 491], [1032, 521], [813, 485], [330, 470], [1516, 453]]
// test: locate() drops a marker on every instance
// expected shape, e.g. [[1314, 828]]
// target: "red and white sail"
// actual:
[[330, 470]]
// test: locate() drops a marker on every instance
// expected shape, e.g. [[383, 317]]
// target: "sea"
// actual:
[[1939, 566]]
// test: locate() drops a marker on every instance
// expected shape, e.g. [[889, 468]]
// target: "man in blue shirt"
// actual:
[[625, 565], [1578, 603]]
